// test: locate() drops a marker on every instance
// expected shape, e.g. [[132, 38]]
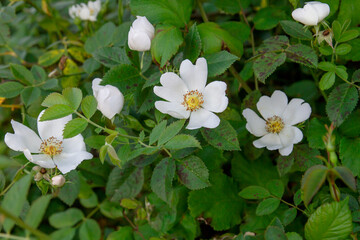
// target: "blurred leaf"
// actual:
[[71, 73], [296, 30], [111, 210], [343, 49], [346, 176], [102, 38], [50, 57], [192, 44], [289, 216], [129, 203], [315, 133], [350, 154], [254, 192], [29, 95], [312, 181], [231, 6], [89, 106], [111, 56], [274, 232], [239, 30], [63, 234], [265, 65], [327, 81], [304, 89], [267, 206], [219, 62], [354, 54], [91, 65], [193, 173], [125, 232], [69, 192], [4, 34], [22, 74], [78, 53], [350, 127], [90, 230], [10, 89], [305, 157], [268, 18], [74, 127], [38, 73], [162, 177], [276, 187], [67, 218]]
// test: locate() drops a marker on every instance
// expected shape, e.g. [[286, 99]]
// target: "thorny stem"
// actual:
[[133, 225]]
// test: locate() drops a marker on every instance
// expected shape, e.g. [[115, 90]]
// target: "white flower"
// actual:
[[110, 99], [49, 150], [312, 13], [140, 35], [187, 96], [58, 181], [277, 130], [86, 12]]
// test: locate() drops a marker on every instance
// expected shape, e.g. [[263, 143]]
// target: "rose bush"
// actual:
[[157, 119]]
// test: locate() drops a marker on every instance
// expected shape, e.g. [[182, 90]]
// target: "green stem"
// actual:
[[16, 178], [142, 61], [291, 205], [120, 11], [202, 11], [22, 224], [9, 236], [238, 77], [316, 78]]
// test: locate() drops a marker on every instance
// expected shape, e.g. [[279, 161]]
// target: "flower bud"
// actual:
[[312, 13], [58, 181], [140, 35], [110, 99]]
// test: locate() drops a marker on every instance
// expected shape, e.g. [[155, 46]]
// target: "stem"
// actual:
[[133, 225], [238, 77], [291, 205], [142, 61], [8, 236], [202, 11], [22, 224], [315, 77], [120, 11]]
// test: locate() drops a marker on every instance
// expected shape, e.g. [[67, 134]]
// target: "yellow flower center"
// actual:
[[274, 124], [91, 11], [193, 100], [51, 146]]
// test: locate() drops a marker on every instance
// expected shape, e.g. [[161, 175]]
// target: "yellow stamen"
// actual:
[[193, 100], [51, 146], [274, 124]]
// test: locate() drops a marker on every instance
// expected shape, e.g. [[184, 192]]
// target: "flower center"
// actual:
[[51, 146], [274, 124], [193, 100]]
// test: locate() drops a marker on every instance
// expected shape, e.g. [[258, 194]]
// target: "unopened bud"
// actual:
[[38, 176], [58, 181]]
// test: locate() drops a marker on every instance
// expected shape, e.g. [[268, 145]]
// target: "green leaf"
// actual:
[[341, 102], [129, 203], [193, 173], [50, 57], [293, 236], [223, 137], [102, 37], [111, 56], [267, 206], [276, 187], [38, 73], [350, 154], [163, 11], [265, 65], [54, 99], [302, 54], [350, 127], [254, 192], [170, 131], [343, 49], [157, 131], [311, 182], [305, 157], [74, 127], [66, 218], [124, 183], [162, 177], [14, 200], [192, 44], [63, 234], [182, 141], [315, 133], [346, 176], [327, 66], [348, 35], [166, 44], [289, 216], [10, 89], [125, 77], [89, 106], [111, 209], [125, 232], [330, 221], [268, 18], [37, 211], [219, 62], [327, 81], [56, 111], [91, 65], [341, 72], [215, 202], [296, 30], [90, 230], [30, 94], [22, 74], [69, 192], [275, 233], [231, 6], [336, 27], [73, 96]]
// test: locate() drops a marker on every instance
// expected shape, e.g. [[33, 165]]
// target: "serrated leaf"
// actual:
[[266, 64], [157, 131], [170, 131], [182, 141], [193, 173], [22, 74], [89, 106], [341, 102], [50, 57], [67, 218], [267, 206], [10, 89], [302, 54], [218, 62], [162, 177], [276, 187], [254, 192], [74, 127], [296, 30], [192, 44], [111, 56], [223, 137], [327, 81], [311, 182], [56, 111], [73, 96], [53, 99], [330, 221]]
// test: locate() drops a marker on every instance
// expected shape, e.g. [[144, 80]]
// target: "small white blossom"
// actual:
[[312, 13], [49, 150], [140, 35], [277, 130], [85, 11], [58, 181], [188, 97], [110, 99]]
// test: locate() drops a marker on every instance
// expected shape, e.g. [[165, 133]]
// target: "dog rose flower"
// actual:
[[188, 97], [85, 12], [140, 35], [49, 150], [276, 128], [312, 13], [58, 181], [110, 99]]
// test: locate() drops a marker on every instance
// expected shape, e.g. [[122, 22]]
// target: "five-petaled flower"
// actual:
[[312, 13], [85, 12], [140, 35], [49, 150], [187, 96], [277, 130]]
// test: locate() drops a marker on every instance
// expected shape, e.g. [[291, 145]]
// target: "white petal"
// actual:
[[255, 125], [52, 128], [214, 97], [138, 41], [110, 100], [69, 161], [286, 150], [194, 76], [23, 138], [287, 135], [270, 141], [274, 105], [298, 135], [322, 9], [175, 110], [143, 25], [96, 86], [42, 160], [74, 144], [297, 111], [307, 15], [84, 13], [173, 88], [203, 118]]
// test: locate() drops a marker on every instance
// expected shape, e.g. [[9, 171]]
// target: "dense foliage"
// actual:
[[179, 119]]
